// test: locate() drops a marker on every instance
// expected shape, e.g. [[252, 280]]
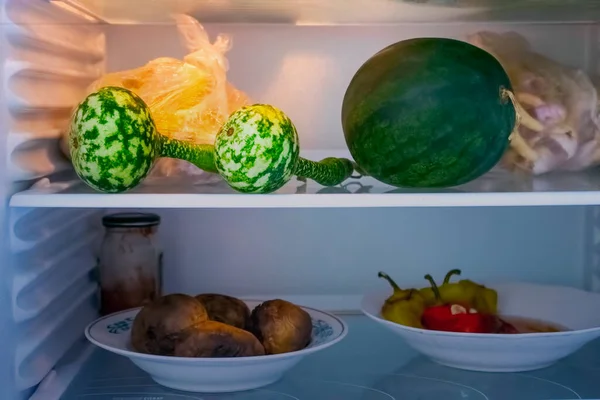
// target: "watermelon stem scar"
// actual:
[[506, 94], [522, 118], [114, 143]]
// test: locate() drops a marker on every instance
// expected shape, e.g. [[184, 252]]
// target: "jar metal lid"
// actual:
[[130, 219]]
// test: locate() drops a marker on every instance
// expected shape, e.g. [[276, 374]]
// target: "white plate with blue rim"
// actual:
[[213, 375]]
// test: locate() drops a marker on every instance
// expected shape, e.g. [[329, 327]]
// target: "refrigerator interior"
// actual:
[[301, 57]]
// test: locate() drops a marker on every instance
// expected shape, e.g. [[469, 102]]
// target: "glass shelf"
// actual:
[[371, 363], [497, 188], [334, 12]]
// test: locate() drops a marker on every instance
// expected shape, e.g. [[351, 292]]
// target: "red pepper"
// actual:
[[455, 317]]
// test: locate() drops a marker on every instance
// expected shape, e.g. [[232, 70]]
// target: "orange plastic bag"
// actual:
[[189, 99]]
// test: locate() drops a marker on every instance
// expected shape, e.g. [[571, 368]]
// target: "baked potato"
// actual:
[[216, 339], [161, 325], [225, 309], [281, 326]]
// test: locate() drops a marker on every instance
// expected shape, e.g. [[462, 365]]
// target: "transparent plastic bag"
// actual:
[[189, 99], [558, 106]]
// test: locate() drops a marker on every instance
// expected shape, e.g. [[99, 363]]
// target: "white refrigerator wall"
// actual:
[[305, 70], [327, 257]]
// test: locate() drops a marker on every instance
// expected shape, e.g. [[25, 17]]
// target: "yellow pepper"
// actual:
[[484, 300], [465, 291], [404, 306]]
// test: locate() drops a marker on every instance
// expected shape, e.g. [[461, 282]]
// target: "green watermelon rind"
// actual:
[[257, 149], [112, 140], [401, 106]]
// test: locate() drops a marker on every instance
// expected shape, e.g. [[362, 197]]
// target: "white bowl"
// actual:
[[577, 310], [212, 375]]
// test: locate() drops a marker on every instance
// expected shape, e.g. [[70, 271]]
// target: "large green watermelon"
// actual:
[[428, 112]]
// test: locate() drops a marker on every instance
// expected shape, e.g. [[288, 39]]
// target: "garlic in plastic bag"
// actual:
[[559, 127]]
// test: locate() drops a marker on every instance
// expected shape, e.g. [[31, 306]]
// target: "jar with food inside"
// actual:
[[129, 266]]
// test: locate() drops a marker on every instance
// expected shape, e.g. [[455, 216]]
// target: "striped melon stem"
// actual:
[[201, 155], [330, 171]]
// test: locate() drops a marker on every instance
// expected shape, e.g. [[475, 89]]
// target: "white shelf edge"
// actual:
[[498, 188], [366, 200]]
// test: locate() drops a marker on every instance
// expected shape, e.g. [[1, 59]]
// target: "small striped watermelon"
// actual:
[[113, 141], [257, 151], [428, 112]]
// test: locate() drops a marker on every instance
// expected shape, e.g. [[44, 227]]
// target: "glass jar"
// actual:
[[129, 266]]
